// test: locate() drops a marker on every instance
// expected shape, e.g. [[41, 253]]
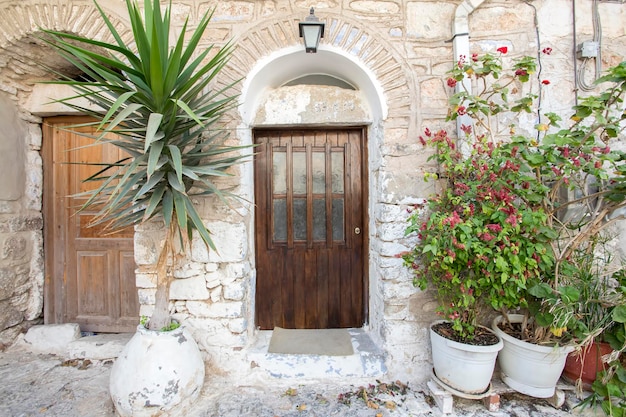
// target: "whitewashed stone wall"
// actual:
[[397, 51]]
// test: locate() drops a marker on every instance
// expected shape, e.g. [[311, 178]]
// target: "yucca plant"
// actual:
[[155, 102]]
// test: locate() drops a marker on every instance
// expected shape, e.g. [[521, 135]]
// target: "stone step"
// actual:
[[367, 361], [65, 340]]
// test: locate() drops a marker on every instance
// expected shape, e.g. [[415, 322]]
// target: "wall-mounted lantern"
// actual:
[[311, 30]]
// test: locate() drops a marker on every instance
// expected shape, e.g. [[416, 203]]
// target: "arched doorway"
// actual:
[[311, 187]]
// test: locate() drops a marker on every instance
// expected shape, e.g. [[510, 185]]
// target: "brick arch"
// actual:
[[20, 27], [351, 38]]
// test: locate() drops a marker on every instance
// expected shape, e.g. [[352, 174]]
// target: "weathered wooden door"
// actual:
[[310, 228], [90, 275]]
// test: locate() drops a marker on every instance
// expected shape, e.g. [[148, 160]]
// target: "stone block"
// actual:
[[235, 291], [189, 289], [9, 315], [424, 19], [215, 310], [52, 338], [231, 241], [98, 347]]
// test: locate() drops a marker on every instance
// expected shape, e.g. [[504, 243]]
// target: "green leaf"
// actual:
[[541, 290], [619, 314], [177, 161], [569, 294], [154, 122], [544, 319], [154, 156]]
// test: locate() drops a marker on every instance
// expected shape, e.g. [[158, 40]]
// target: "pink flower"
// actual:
[[422, 141], [451, 82], [487, 237], [503, 49], [545, 82], [512, 220], [496, 228], [461, 110], [427, 132], [467, 129], [474, 57]]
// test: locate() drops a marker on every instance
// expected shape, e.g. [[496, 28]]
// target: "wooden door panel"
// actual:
[[90, 274], [310, 263]]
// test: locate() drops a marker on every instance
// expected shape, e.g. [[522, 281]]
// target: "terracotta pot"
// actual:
[[586, 364]]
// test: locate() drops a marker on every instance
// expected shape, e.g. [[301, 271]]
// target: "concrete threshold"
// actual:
[[368, 360]]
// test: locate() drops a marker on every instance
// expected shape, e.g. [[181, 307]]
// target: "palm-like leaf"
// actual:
[[157, 100]]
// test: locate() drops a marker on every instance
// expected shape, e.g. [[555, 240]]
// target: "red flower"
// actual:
[[474, 57], [461, 110], [427, 132], [422, 141], [521, 72], [547, 51], [494, 227], [503, 49], [545, 82], [451, 82], [467, 129]]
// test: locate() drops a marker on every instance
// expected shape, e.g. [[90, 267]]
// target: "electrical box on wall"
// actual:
[[587, 49]]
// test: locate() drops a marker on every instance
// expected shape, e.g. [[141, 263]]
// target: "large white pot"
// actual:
[[155, 372], [529, 368], [465, 368]]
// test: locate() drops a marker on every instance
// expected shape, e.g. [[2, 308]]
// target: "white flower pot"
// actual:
[[529, 368], [155, 372], [465, 368]]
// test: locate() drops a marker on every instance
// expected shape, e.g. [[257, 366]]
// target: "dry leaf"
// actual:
[[372, 404], [390, 405], [291, 392]]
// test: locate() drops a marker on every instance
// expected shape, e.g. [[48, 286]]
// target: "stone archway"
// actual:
[[350, 53]]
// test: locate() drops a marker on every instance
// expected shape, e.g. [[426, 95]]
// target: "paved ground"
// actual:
[[46, 385]]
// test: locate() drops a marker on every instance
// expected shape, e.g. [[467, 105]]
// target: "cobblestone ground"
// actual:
[[46, 385]]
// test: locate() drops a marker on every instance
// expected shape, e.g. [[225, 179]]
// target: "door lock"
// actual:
[[357, 231]]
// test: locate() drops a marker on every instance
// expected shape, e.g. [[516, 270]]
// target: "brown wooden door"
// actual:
[[90, 276], [310, 228]]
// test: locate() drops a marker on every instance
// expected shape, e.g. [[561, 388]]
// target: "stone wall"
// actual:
[[397, 53]]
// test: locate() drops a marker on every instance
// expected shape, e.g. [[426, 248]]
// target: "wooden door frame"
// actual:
[[60, 248], [364, 202], [54, 256]]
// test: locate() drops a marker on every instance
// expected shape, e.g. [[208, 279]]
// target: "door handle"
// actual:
[[357, 231]]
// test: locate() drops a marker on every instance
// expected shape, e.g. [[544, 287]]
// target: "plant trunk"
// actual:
[[161, 315]]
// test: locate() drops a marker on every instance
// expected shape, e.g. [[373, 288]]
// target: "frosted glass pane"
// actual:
[[280, 220], [319, 219], [338, 219], [279, 171], [319, 172], [337, 174], [299, 173], [299, 219]]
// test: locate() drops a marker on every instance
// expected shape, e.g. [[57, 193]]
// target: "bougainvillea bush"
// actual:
[[514, 206]]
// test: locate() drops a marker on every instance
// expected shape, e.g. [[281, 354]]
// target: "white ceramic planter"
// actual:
[[155, 372], [465, 368], [529, 368]]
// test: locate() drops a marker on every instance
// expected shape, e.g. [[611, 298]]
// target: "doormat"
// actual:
[[328, 342]]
